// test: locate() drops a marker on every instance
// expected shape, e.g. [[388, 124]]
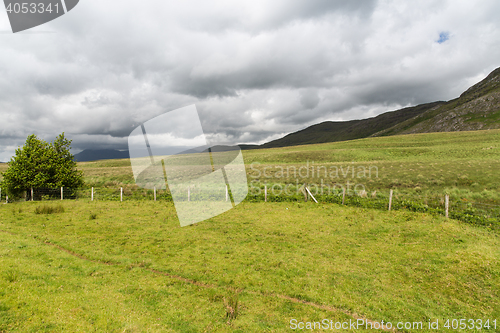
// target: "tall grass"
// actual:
[[49, 209]]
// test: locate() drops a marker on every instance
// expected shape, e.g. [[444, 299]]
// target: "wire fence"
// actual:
[[92, 194], [486, 212]]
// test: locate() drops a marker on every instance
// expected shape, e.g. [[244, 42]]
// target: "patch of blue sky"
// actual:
[[443, 37]]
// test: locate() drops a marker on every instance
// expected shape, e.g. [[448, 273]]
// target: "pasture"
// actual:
[[129, 267]]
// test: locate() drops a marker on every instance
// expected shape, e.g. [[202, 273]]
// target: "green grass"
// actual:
[[49, 209], [134, 269]]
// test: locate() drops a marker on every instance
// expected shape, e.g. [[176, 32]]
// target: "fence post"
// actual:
[[32, 194], [265, 193], [155, 192], [312, 196], [92, 194], [343, 195], [446, 204], [62, 196], [189, 194], [6, 199], [390, 200], [121, 194]]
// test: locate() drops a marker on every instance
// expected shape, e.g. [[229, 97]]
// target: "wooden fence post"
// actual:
[[155, 192], [390, 200], [446, 204], [343, 195], [121, 194], [62, 196], [32, 194], [92, 194], [265, 193]]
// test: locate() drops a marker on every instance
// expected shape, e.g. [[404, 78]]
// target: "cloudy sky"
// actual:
[[256, 70]]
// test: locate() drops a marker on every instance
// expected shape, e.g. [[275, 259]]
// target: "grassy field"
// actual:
[[129, 267], [420, 168], [464, 163], [106, 266]]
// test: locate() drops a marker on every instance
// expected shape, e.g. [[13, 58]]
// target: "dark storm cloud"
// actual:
[[255, 69]]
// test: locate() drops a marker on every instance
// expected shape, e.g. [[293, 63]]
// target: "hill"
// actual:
[[478, 108], [332, 131]]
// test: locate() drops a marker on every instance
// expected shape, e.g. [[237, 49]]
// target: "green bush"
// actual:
[[39, 164]]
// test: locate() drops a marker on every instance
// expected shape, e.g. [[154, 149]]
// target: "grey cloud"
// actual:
[[277, 14], [255, 69], [309, 99]]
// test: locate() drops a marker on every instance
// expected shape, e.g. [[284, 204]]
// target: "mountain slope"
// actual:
[[330, 131], [478, 108]]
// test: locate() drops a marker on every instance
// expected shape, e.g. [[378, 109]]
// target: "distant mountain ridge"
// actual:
[[88, 155], [330, 131]]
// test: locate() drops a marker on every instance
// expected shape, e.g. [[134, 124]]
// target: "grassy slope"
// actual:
[[395, 266]]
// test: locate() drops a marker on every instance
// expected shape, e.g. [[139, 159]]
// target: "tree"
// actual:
[[39, 164]]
